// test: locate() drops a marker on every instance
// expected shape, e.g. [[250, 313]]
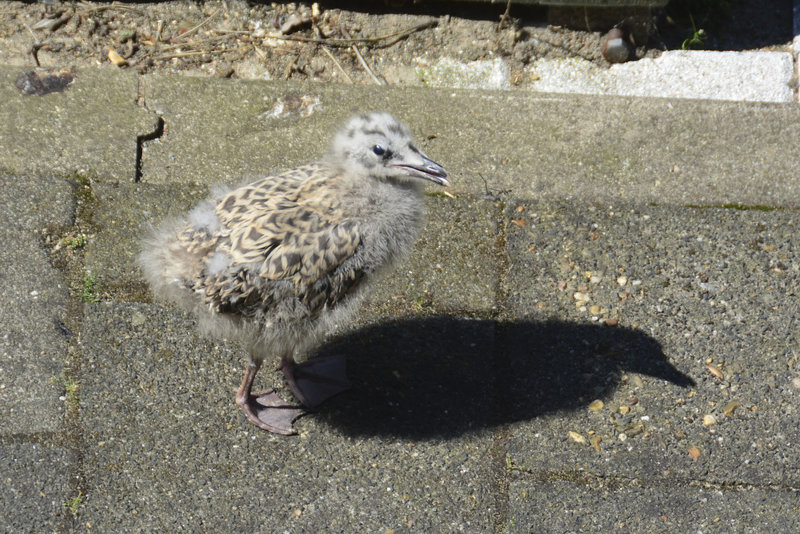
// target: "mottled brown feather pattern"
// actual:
[[282, 228]]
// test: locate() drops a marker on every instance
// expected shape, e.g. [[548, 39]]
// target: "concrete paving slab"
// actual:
[[706, 295], [539, 146], [453, 267], [166, 447], [614, 506], [35, 486], [696, 74], [33, 303], [90, 127]]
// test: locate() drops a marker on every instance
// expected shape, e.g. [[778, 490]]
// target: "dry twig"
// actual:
[[372, 42], [362, 60], [192, 30], [87, 7], [325, 49]]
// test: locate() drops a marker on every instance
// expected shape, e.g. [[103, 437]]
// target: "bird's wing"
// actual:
[[281, 224], [295, 244]]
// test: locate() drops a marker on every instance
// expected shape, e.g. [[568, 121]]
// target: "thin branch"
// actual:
[[346, 43], [87, 7], [362, 60], [192, 30], [325, 49], [188, 53]]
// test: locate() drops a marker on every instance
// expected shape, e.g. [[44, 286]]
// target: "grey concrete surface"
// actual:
[[549, 146], [705, 287], [92, 126], [35, 486], [33, 298], [581, 343], [156, 398], [599, 506]]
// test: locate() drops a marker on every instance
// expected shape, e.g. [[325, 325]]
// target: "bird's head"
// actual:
[[378, 145]]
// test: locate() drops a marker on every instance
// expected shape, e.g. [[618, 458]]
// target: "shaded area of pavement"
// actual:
[[581, 342]]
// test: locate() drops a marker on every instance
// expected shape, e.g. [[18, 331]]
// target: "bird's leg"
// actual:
[[317, 380], [267, 411]]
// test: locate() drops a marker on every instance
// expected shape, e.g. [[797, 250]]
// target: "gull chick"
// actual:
[[275, 264]]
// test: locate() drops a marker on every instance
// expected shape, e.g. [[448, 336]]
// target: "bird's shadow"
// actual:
[[441, 376]]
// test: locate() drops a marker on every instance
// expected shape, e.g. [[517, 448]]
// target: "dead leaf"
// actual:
[[116, 59], [715, 371]]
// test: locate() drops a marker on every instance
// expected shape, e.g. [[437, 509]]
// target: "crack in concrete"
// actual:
[[145, 138], [140, 142]]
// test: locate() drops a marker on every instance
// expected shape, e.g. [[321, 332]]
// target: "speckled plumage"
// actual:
[[276, 263]]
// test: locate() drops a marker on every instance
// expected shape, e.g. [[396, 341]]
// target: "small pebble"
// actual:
[[709, 420], [594, 309], [577, 438], [622, 280], [694, 452], [580, 296], [615, 47], [596, 405], [635, 430], [730, 408]]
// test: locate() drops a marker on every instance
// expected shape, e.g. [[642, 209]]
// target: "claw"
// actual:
[[267, 411]]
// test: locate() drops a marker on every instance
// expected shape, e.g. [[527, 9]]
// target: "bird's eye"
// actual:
[[378, 150]]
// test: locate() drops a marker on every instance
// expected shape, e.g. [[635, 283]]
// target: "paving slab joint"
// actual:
[[590, 478], [499, 451], [64, 243]]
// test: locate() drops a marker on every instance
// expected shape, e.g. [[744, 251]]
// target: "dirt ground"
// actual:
[[355, 42]]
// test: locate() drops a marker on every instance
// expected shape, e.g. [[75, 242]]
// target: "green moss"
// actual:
[[73, 504], [71, 389], [73, 242], [90, 292]]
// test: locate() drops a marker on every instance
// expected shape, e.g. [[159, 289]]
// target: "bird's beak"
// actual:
[[426, 169]]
